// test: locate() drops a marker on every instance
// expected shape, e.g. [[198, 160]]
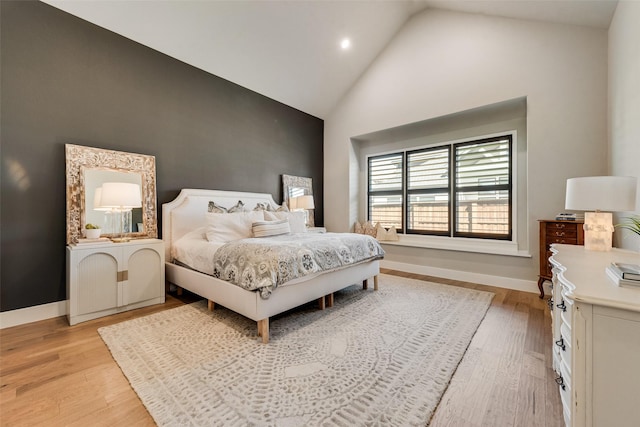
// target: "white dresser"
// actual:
[[105, 279], [596, 338]]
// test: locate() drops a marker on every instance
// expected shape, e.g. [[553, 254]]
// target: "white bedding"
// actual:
[[197, 253]]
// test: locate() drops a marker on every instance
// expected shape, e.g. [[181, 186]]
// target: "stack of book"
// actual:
[[624, 274], [566, 216]]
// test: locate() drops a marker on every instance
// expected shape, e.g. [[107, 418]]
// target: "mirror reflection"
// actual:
[[104, 217], [297, 192]]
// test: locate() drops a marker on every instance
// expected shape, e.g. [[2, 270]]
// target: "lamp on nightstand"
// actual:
[[600, 193], [303, 203], [120, 197]]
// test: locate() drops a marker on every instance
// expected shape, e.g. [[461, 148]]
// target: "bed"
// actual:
[[186, 217]]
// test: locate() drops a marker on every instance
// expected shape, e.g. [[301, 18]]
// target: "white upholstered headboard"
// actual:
[[188, 211]]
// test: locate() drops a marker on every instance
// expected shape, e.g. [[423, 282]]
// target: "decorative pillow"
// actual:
[[270, 208], [216, 208], [238, 207], [297, 219], [270, 228], [382, 234], [365, 228], [223, 228]]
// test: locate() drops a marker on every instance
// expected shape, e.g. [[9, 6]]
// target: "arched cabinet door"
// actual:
[[108, 278]]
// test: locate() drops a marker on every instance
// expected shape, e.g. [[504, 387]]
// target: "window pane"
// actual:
[[428, 212], [483, 163], [385, 173], [428, 169], [483, 212], [386, 210]]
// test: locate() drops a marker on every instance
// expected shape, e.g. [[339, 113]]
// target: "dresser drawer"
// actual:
[[563, 226], [567, 233], [562, 240]]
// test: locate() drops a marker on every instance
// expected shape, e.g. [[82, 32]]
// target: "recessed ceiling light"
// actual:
[[345, 43]]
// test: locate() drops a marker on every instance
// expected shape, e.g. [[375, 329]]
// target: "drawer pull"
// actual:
[[560, 343], [560, 382], [550, 303], [561, 306], [559, 233], [559, 225]]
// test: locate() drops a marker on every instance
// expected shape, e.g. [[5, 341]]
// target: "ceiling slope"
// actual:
[[289, 50]]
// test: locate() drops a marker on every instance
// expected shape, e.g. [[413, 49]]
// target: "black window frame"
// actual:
[[453, 189]]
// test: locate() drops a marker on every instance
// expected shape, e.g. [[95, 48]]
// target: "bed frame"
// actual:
[[188, 212]]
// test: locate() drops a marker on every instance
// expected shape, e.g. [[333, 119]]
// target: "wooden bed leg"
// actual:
[[375, 283], [365, 284], [263, 330], [211, 305], [178, 290], [330, 300], [321, 304]]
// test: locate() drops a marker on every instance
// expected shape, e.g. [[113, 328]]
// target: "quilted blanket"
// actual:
[[264, 263]]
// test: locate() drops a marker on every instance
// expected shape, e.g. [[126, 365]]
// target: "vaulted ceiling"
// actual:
[[290, 50]]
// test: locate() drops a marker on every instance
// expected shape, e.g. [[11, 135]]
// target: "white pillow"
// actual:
[[297, 219], [270, 228], [225, 227]]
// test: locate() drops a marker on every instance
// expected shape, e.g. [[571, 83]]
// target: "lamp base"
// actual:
[[598, 231]]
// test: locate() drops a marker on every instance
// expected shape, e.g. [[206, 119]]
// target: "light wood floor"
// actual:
[[55, 375]]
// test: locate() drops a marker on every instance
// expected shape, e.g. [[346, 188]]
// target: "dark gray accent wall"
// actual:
[[64, 80]]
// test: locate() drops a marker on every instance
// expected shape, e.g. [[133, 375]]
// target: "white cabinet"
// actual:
[[596, 338], [110, 278]]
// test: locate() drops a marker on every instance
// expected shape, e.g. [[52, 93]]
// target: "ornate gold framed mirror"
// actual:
[[87, 168]]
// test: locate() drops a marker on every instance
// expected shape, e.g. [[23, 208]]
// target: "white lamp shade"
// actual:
[[120, 195], [97, 201], [305, 202], [603, 193]]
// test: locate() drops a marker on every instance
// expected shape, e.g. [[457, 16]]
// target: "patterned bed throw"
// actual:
[[265, 263]]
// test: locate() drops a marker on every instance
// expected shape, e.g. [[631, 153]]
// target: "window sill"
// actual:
[[482, 246]]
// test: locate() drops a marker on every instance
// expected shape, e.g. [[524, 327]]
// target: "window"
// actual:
[[457, 190]]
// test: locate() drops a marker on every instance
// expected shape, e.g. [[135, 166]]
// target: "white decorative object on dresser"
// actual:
[[108, 278], [596, 338]]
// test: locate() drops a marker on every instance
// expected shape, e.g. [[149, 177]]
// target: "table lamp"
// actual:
[[598, 194], [120, 197], [303, 203]]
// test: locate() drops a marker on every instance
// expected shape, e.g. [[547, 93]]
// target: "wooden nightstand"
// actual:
[[554, 231]]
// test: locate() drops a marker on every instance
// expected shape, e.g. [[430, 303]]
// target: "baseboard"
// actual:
[[57, 309], [32, 314], [466, 276]]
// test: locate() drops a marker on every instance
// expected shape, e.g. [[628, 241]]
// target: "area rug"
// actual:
[[377, 358]]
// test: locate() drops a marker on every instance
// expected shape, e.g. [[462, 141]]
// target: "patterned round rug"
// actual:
[[376, 358]]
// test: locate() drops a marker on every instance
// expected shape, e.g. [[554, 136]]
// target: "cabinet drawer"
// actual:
[[563, 226], [562, 240], [566, 234]]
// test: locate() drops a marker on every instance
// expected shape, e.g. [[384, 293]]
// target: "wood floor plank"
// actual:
[[59, 375]]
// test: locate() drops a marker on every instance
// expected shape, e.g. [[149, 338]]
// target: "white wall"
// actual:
[[624, 102], [445, 62]]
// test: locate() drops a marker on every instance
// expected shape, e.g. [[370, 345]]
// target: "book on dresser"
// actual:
[[626, 271], [618, 276]]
